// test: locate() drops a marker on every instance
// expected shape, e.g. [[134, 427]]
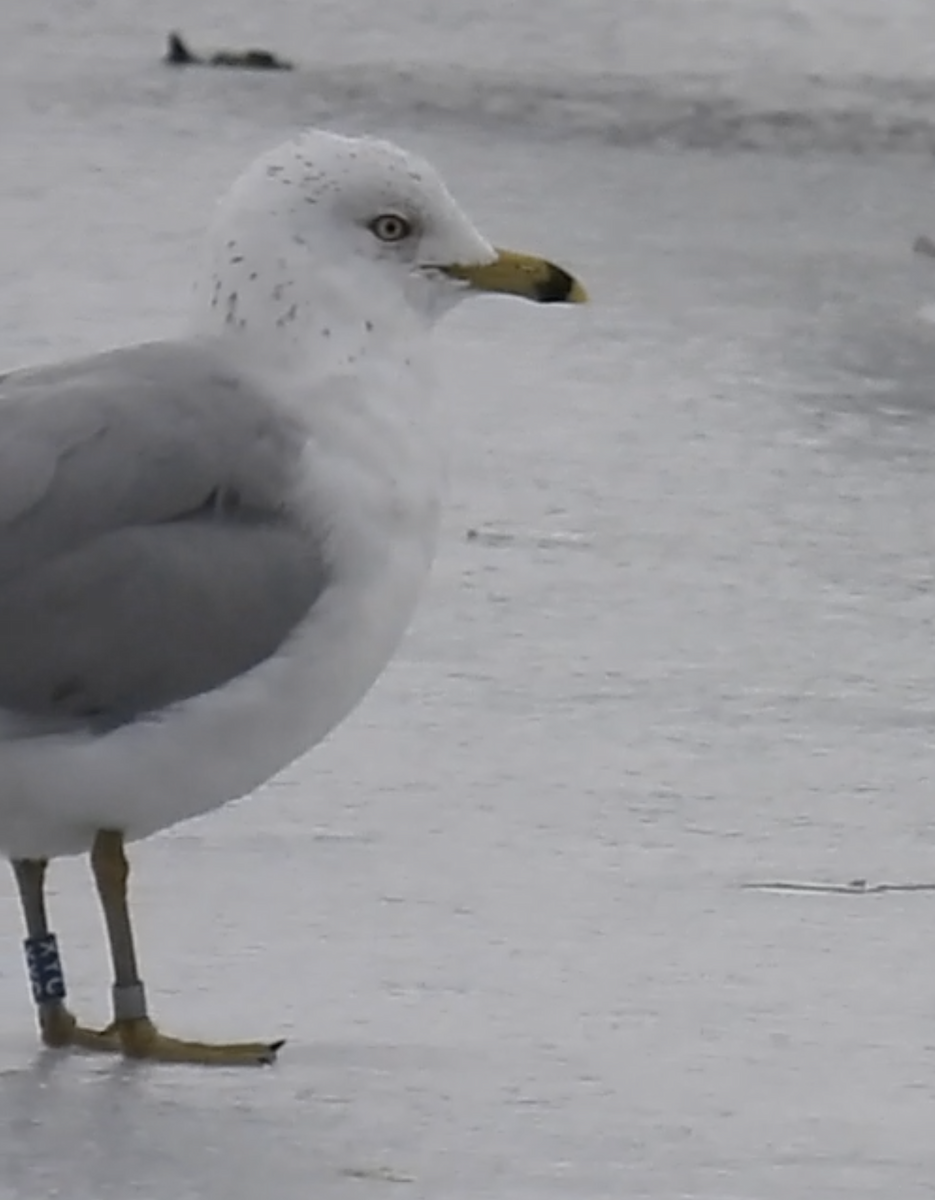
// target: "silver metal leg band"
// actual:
[[129, 1002]]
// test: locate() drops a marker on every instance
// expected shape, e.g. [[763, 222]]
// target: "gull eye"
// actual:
[[390, 227]]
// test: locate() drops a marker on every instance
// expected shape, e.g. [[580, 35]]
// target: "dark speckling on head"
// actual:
[[306, 212]]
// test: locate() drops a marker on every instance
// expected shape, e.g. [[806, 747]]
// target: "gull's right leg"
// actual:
[[46, 975]]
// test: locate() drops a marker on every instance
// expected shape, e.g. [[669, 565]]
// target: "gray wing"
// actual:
[[148, 548]]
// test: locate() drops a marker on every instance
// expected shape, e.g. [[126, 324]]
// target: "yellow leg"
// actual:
[[138, 1036], [60, 1029], [57, 1027]]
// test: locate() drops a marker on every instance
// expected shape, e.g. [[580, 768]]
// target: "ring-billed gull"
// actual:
[[210, 547]]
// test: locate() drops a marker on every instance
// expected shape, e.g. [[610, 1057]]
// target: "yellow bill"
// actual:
[[523, 275]]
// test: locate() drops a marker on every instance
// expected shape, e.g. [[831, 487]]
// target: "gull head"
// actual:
[[328, 228]]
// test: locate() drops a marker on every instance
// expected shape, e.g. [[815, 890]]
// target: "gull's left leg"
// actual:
[[57, 1026], [139, 1037]]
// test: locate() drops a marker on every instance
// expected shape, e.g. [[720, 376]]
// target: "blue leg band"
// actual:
[[46, 974]]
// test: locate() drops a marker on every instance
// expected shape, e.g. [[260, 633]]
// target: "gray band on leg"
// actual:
[[129, 1002]]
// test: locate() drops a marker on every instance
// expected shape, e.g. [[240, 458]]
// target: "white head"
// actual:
[[327, 229]]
